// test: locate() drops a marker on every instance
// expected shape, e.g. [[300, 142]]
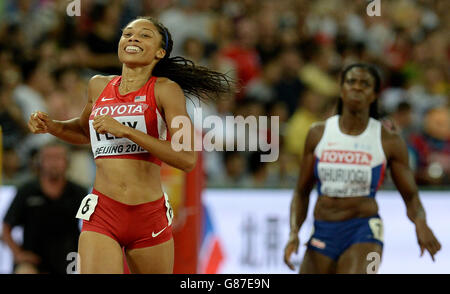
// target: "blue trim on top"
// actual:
[[376, 174], [316, 174]]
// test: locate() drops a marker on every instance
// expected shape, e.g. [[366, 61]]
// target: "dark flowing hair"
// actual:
[[198, 81], [373, 71]]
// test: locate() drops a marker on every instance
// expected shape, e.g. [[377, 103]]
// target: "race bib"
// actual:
[[344, 180], [376, 226], [129, 114], [87, 207], [169, 212]]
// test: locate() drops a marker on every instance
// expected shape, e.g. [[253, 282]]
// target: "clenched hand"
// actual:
[[106, 124], [40, 123]]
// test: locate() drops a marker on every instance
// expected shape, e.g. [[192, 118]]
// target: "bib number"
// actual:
[[169, 212], [87, 207], [376, 225]]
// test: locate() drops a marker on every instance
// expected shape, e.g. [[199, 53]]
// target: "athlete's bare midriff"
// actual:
[[340, 209], [128, 181]]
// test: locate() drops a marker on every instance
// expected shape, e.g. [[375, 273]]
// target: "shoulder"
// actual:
[[389, 135], [29, 187], [393, 143], [316, 130], [96, 85], [315, 133], [317, 127], [99, 80], [166, 86]]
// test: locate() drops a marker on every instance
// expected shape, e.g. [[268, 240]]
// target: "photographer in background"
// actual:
[[46, 207]]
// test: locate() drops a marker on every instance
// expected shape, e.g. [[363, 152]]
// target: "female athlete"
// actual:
[[128, 122], [347, 155]]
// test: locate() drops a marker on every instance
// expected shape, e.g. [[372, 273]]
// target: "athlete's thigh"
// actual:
[[99, 254], [357, 258], [317, 263], [156, 259]]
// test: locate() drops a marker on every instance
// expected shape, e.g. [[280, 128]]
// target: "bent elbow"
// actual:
[[190, 163], [83, 141], [189, 167]]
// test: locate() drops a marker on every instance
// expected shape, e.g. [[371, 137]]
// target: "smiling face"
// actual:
[[358, 89], [140, 44]]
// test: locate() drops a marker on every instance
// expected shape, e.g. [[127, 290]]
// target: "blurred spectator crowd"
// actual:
[[286, 54]]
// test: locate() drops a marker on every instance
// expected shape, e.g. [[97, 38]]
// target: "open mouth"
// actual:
[[133, 49]]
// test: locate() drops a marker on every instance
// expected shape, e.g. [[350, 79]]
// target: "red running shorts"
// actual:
[[132, 226]]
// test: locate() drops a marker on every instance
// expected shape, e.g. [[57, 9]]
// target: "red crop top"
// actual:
[[137, 110]]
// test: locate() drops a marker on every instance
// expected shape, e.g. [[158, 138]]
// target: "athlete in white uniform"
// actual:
[[347, 165], [347, 156]]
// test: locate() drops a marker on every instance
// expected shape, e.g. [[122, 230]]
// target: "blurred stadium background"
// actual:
[[287, 54]]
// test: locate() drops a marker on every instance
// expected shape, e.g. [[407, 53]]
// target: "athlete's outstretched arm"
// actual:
[[300, 200], [173, 105], [403, 178], [76, 130]]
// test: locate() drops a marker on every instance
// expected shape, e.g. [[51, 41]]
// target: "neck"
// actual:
[[134, 78], [353, 122], [52, 187]]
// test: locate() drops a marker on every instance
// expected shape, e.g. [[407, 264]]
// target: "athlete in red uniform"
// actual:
[[128, 121]]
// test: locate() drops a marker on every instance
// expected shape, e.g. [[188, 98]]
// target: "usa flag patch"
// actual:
[[139, 98]]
